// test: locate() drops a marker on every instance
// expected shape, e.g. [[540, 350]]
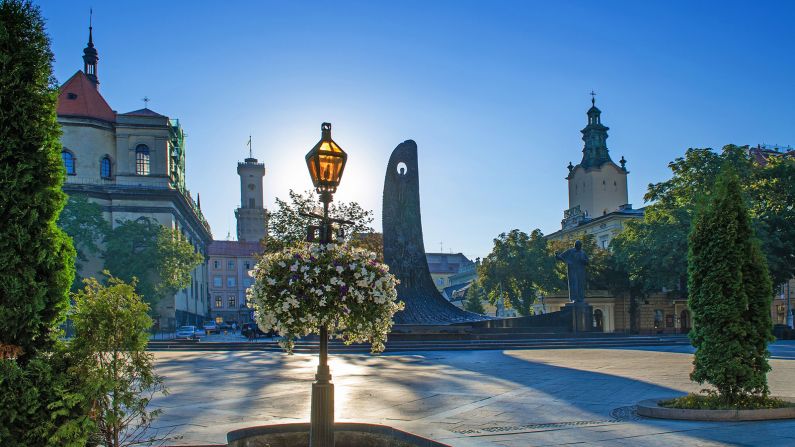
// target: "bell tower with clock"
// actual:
[[252, 218]]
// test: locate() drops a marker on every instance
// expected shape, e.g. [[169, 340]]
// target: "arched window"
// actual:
[[142, 159], [68, 162], [104, 167]]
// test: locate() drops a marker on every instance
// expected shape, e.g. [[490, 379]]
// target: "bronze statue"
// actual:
[[576, 260]]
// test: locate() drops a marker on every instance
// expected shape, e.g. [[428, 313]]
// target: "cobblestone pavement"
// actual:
[[489, 398]]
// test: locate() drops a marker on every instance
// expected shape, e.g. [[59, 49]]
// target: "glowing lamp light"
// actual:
[[326, 162]]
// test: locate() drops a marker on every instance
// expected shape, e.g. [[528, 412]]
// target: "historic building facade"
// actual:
[[231, 261], [133, 165], [598, 206], [597, 189], [229, 264]]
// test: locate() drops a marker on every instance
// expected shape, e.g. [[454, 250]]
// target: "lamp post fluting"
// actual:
[[326, 162]]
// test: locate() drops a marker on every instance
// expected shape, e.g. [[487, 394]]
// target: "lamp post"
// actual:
[[326, 162]]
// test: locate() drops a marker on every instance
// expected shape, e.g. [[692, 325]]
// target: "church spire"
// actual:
[[90, 55], [595, 152]]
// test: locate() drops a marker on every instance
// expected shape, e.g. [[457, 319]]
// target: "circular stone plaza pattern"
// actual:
[[472, 398]]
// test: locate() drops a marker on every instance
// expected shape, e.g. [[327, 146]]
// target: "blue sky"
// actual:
[[494, 93]]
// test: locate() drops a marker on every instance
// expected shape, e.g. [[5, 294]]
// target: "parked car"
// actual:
[[186, 332], [200, 332], [211, 328], [224, 327]]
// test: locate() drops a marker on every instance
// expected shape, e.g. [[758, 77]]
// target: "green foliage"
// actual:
[[176, 258], [714, 401], [111, 332], [159, 258], [518, 268], [652, 251], [474, 298], [730, 293], [286, 225], [131, 252], [36, 258], [82, 220], [41, 404]]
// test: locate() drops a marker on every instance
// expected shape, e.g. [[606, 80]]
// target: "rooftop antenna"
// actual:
[[250, 154], [146, 102]]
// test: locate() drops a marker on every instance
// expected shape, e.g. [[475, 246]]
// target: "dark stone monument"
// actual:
[[576, 260], [404, 250]]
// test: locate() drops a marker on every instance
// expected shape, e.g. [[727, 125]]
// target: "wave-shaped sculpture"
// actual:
[[404, 250]]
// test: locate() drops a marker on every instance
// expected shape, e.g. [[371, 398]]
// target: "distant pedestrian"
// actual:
[[234, 328]]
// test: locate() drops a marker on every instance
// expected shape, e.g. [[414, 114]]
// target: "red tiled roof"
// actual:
[[79, 97], [234, 248]]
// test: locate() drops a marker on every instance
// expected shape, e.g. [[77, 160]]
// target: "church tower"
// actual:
[[91, 56], [252, 219], [597, 186]]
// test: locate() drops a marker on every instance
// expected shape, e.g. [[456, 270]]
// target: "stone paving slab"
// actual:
[[578, 397]]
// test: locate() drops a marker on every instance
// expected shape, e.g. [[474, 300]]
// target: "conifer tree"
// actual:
[[730, 294], [36, 258], [37, 403]]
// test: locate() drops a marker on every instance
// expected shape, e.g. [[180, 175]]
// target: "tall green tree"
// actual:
[[36, 258], [176, 258], [118, 377], [37, 404], [652, 251], [730, 293], [475, 296], [159, 258], [131, 252], [288, 223], [518, 268], [82, 220]]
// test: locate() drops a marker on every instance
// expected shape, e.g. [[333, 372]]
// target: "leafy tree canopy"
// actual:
[[287, 225], [111, 325], [160, 258], [653, 250], [518, 269], [475, 296]]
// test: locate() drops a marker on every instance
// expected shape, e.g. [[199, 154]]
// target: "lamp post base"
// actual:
[[321, 432]]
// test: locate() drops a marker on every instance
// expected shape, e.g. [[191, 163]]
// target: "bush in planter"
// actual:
[[730, 293], [305, 286]]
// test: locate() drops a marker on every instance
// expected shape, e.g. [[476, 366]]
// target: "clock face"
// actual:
[[251, 186]]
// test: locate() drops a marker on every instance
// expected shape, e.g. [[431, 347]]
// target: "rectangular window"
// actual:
[[216, 264], [248, 265], [218, 302], [217, 281], [230, 281], [232, 302], [230, 265]]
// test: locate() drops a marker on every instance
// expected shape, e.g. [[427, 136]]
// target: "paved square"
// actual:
[[489, 398]]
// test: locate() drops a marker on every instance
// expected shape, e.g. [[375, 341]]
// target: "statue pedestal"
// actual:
[[581, 317]]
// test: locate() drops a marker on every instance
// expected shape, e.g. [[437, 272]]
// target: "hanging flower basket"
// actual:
[[303, 287]]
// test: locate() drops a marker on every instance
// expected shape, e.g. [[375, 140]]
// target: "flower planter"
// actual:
[[649, 408]]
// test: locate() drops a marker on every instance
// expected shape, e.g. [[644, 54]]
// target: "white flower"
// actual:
[[271, 281], [340, 269]]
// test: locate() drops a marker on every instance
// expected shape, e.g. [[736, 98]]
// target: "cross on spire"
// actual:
[[146, 102], [593, 98]]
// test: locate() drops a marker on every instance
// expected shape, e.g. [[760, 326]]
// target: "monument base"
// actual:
[[581, 316]]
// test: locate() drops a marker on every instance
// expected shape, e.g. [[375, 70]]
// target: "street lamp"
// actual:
[[326, 162]]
